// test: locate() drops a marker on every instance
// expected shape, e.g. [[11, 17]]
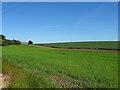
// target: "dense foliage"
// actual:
[[5, 42]]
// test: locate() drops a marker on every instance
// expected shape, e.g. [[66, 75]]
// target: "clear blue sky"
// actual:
[[60, 22]]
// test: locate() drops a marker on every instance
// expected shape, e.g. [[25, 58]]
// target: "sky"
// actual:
[[49, 22], [0, 17]]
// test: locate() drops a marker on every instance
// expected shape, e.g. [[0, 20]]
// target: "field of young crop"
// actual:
[[31, 67], [0, 59], [112, 45]]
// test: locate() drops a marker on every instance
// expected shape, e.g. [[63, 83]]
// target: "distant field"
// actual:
[[109, 45], [31, 67]]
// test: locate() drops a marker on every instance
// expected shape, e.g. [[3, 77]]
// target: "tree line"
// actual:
[[6, 42]]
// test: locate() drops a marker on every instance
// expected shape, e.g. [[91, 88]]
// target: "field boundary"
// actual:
[[111, 51]]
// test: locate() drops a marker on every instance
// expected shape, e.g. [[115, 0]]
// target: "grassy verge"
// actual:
[[23, 79], [18, 77]]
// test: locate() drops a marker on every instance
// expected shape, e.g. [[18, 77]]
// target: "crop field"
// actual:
[[0, 59], [35, 67], [110, 45]]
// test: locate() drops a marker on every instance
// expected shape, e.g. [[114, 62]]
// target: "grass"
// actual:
[[23, 79], [53, 68], [18, 78], [0, 59], [111, 45]]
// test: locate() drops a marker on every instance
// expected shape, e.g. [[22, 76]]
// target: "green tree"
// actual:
[[30, 42], [5, 42], [2, 37], [16, 42]]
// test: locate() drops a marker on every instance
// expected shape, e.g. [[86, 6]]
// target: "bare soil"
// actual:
[[4, 80], [98, 50]]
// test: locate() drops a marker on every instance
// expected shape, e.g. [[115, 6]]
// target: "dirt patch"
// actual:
[[67, 81], [4, 80], [41, 46], [98, 50]]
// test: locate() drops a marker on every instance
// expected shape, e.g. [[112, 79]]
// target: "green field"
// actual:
[[31, 67], [0, 59], [110, 45]]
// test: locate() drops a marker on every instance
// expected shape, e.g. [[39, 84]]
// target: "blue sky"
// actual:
[[44, 22], [0, 17]]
